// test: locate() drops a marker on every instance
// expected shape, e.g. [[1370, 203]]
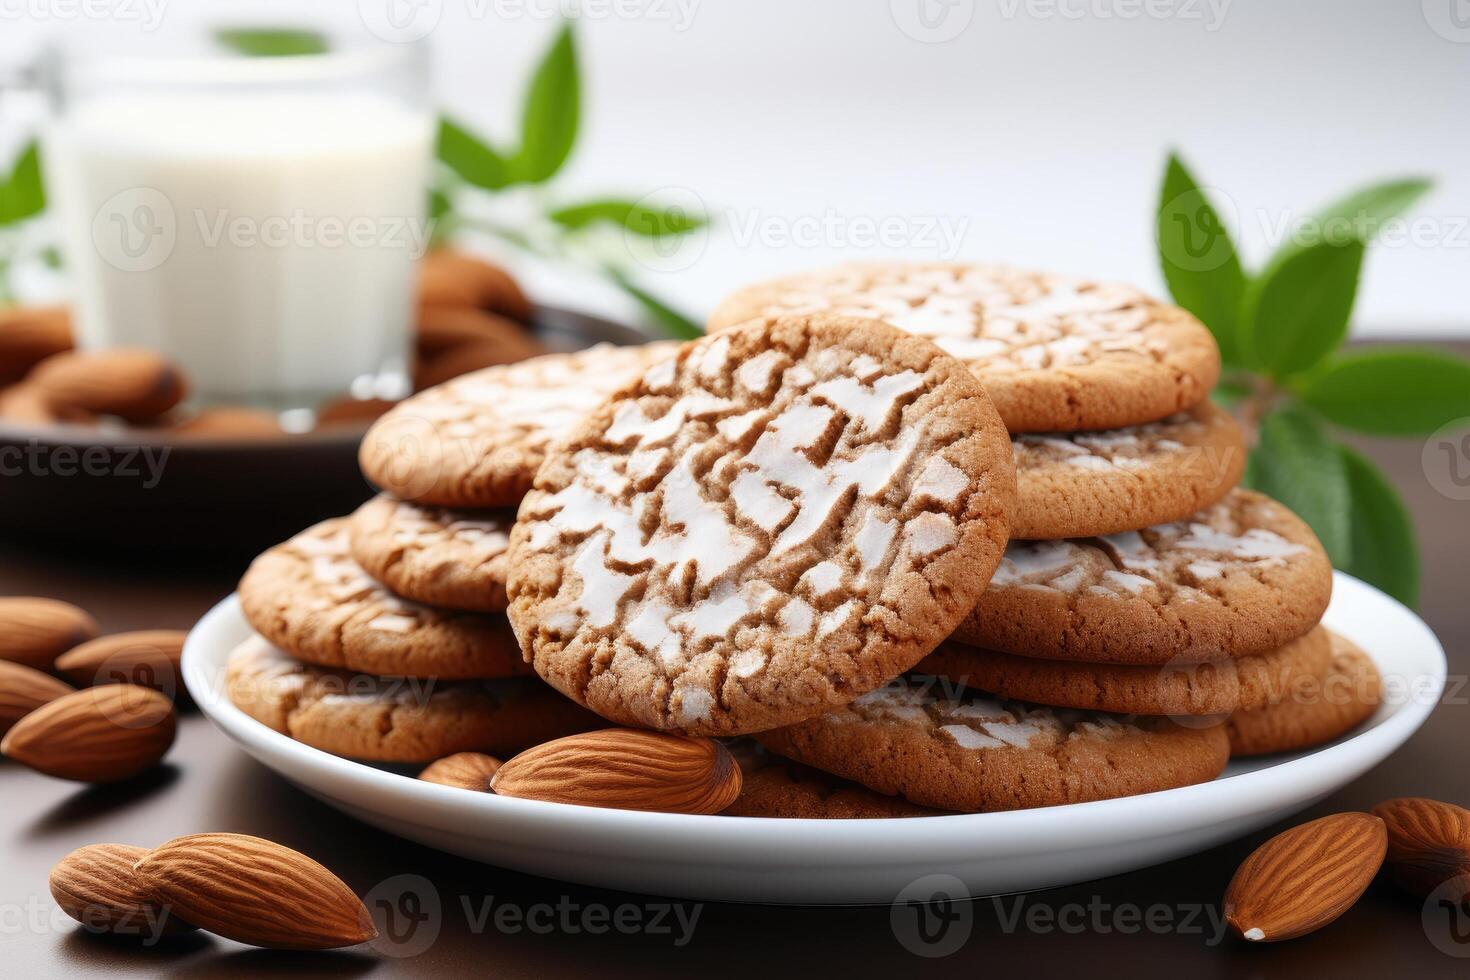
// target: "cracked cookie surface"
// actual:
[[1341, 699], [773, 786], [308, 597], [962, 750], [1244, 576], [476, 441], [1056, 354], [435, 555], [777, 520]]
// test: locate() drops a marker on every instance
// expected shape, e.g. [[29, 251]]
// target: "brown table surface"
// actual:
[[210, 785]]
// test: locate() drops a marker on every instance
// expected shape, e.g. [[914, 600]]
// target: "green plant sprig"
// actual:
[[1285, 377], [22, 197]]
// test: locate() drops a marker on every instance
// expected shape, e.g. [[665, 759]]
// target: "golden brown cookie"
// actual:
[[1183, 689], [1082, 484], [1245, 576], [773, 786], [449, 558], [961, 750], [1316, 710], [1056, 354], [780, 518], [395, 719], [478, 440], [308, 597]]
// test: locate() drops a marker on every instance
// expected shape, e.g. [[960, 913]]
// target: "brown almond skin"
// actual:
[[149, 658], [625, 769], [255, 891], [136, 385], [23, 690], [24, 404], [463, 770], [96, 885], [1428, 844], [35, 631], [450, 278], [351, 411], [97, 735], [1302, 879], [231, 422], [29, 335], [443, 328]]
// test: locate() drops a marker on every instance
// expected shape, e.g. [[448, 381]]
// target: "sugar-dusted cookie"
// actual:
[[310, 598], [1081, 484], [477, 441], [962, 750], [450, 558], [1056, 354], [1215, 688], [1244, 576], [395, 719], [772, 786], [1315, 710], [780, 518]]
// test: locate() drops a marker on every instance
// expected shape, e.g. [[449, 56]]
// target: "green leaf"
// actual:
[[1297, 464], [674, 323], [550, 113], [1198, 258], [262, 42], [1384, 552], [1297, 311], [472, 158], [1394, 391], [23, 195], [1359, 216], [631, 215]]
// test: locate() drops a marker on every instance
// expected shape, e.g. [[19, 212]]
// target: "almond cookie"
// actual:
[[450, 558], [1181, 689], [965, 751], [775, 787], [1055, 354], [1245, 576], [478, 440], [1315, 711], [395, 719], [1081, 484], [773, 522], [308, 597]]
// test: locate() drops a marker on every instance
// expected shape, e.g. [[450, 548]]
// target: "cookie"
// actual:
[[1315, 711], [441, 557], [1183, 689], [775, 787], [777, 520], [1055, 354], [962, 750], [398, 719], [478, 440], [1245, 576], [1083, 484], [308, 597]]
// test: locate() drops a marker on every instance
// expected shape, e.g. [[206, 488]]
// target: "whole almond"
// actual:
[[1300, 880], [137, 385], [231, 422], [465, 770], [443, 328], [29, 335], [255, 891], [149, 658], [97, 735], [24, 404], [1428, 844], [450, 278], [36, 631], [23, 690], [625, 769], [97, 886]]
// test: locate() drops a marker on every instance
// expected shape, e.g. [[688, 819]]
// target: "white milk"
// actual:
[[265, 242]]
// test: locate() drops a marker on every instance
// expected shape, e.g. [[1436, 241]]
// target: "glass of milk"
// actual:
[[256, 220]]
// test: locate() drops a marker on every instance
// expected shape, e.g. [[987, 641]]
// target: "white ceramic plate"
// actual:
[[851, 861]]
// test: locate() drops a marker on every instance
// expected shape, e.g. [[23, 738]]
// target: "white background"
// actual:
[[1039, 129]]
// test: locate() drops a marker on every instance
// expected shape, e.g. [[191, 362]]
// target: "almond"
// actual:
[[443, 328], [149, 658], [97, 886], [1300, 880], [1428, 844], [625, 769], [36, 631], [23, 690], [137, 385], [465, 770], [29, 335], [351, 411], [255, 891], [231, 422], [98, 735], [449, 278]]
